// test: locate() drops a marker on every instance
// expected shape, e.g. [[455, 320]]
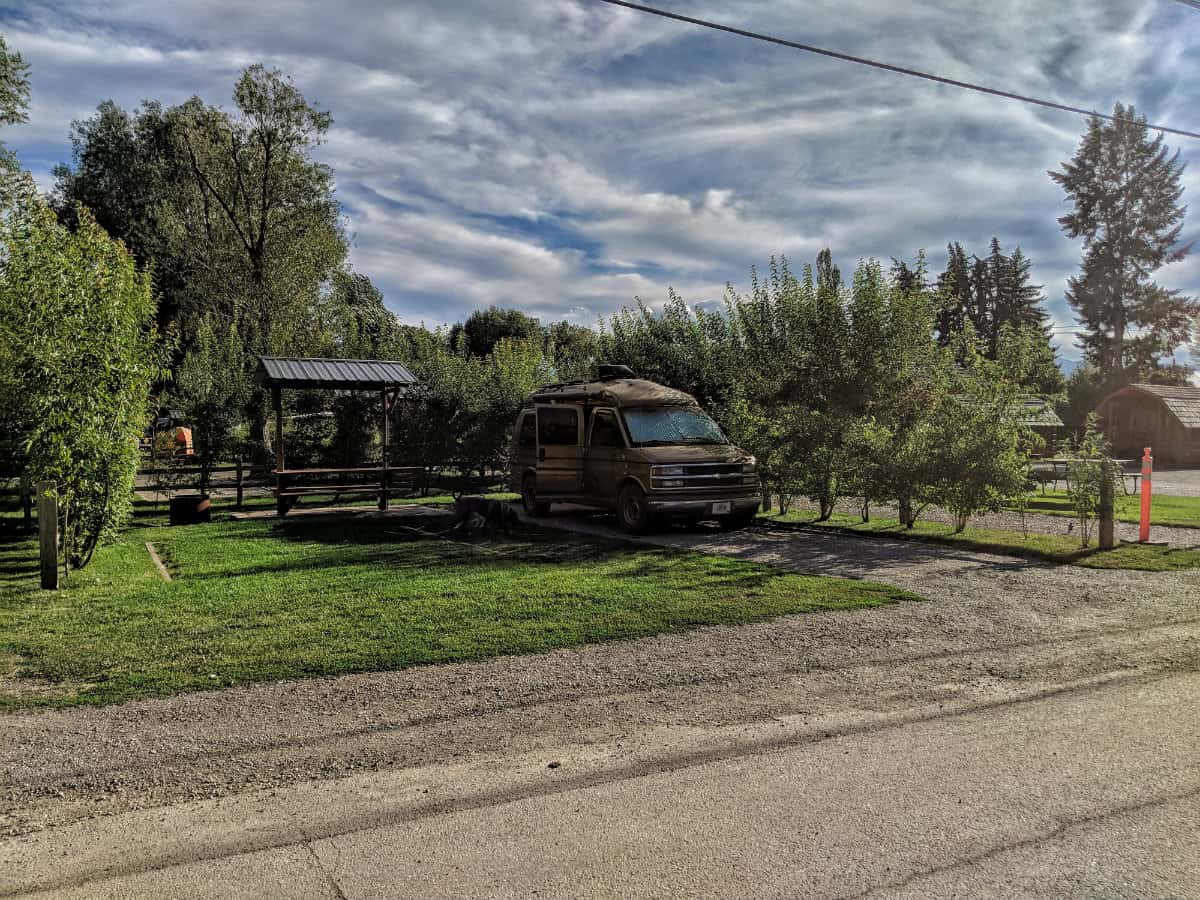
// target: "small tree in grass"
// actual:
[[77, 355], [977, 442], [212, 386], [1088, 472]]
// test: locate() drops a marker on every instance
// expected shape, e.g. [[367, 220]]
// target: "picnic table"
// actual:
[[292, 484], [1054, 469]]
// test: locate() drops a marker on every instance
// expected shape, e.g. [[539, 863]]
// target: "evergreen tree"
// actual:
[[1125, 188], [954, 286], [995, 298]]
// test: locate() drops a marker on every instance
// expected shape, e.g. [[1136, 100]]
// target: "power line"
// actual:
[[888, 67]]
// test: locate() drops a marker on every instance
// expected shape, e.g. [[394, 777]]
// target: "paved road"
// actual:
[[1032, 730], [1092, 791]]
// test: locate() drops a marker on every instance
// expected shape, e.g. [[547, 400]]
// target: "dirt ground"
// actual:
[[995, 629]]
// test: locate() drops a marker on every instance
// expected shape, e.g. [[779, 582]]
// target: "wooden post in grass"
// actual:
[[1105, 511], [48, 533]]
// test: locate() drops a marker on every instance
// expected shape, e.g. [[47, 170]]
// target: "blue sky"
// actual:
[[563, 156]]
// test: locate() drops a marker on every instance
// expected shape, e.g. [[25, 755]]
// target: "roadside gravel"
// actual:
[[1012, 521], [996, 628]]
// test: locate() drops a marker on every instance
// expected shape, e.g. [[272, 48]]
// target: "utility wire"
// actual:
[[888, 67]]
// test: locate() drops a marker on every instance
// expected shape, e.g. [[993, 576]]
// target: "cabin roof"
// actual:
[[1181, 400]]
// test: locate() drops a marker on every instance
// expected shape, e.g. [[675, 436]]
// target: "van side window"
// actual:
[[606, 432], [527, 433], [557, 426]]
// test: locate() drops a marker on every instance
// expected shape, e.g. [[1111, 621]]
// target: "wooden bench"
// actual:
[[287, 495]]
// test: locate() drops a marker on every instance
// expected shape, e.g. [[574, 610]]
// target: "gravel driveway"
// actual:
[[997, 628]]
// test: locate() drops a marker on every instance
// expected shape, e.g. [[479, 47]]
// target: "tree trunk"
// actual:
[[906, 511]]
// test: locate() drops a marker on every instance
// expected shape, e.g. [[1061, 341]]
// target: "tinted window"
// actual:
[[606, 432], [527, 435], [557, 426]]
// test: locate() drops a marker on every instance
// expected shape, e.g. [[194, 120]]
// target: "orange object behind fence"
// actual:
[[183, 441], [1147, 468]]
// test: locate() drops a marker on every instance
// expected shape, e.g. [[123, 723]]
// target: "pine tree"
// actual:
[[1125, 187], [954, 286]]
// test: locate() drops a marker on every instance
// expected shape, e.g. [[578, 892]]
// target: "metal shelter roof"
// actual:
[[334, 374]]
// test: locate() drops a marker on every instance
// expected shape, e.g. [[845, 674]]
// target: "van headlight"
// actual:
[[660, 471], [750, 466]]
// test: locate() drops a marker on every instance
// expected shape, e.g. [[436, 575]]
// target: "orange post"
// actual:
[[1147, 468]]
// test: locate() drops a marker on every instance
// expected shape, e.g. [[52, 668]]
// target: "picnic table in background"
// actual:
[[1055, 469]]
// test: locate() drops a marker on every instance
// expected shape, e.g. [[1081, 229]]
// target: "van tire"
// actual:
[[632, 510], [533, 507]]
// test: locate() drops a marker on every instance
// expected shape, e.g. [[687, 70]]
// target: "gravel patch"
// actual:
[[996, 626], [1011, 520]]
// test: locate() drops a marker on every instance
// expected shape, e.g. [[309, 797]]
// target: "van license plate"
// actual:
[[722, 508]]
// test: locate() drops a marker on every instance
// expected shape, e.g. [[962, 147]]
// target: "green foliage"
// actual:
[[14, 86], [485, 328], [1125, 187], [77, 355], [211, 385], [978, 443], [1090, 473], [239, 219], [840, 388], [993, 297], [462, 412]]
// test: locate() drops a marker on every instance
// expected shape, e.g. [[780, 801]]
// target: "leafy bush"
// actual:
[[77, 355]]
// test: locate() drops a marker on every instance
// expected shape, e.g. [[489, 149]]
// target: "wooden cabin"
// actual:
[[1161, 416]]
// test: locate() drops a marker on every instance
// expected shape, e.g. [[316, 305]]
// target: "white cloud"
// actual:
[[562, 156]]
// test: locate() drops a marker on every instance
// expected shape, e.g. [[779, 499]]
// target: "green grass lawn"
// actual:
[[1050, 547], [1180, 512], [258, 600]]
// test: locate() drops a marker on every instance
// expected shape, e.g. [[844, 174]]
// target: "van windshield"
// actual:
[[660, 425]]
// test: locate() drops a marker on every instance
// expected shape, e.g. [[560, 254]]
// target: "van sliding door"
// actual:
[[560, 451]]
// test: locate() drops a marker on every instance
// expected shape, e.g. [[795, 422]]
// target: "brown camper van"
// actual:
[[641, 449]]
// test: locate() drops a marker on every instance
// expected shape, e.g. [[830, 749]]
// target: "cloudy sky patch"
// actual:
[[563, 156]]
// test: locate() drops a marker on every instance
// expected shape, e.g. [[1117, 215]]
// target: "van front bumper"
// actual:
[[698, 507]]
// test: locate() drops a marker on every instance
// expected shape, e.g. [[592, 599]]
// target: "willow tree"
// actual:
[[238, 218]]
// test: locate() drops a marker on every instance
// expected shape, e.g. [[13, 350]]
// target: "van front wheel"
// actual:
[[533, 506], [631, 507]]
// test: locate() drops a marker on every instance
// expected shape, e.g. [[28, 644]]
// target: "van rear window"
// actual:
[[557, 426]]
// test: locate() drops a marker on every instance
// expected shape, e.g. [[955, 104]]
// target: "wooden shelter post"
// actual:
[[385, 435], [280, 501]]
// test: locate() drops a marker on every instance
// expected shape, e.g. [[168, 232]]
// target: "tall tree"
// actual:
[[485, 328], [14, 103], [239, 220], [1125, 187], [995, 298]]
